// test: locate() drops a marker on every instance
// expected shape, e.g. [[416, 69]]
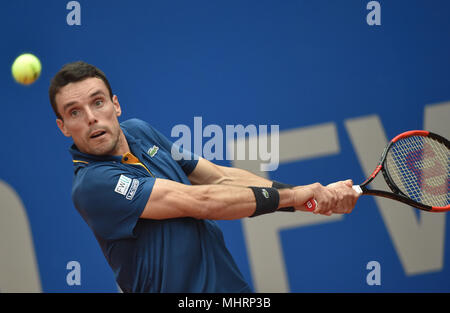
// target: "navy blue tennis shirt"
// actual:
[[172, 255]]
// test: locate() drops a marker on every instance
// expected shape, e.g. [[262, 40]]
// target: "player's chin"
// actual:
[[104, 147]]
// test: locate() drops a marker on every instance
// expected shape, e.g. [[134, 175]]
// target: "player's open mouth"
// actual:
[[97, 134]]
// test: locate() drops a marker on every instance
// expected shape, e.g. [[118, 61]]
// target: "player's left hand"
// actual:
[[345, 195]]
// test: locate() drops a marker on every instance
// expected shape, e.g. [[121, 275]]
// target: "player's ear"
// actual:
[[62, 127], [116, 105]]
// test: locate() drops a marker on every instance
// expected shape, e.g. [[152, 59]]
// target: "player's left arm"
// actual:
[[208, 173]]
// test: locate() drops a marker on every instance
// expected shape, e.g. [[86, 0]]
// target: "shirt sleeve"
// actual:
[[111, 200]]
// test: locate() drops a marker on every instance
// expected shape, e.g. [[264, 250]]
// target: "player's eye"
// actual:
[[98, 103], [74, 113]]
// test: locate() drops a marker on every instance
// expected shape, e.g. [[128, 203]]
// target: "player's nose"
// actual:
[[90, 117]]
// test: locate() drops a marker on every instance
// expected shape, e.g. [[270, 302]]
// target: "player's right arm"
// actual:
[[170, 199]]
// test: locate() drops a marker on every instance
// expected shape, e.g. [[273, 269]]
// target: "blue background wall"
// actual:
[[288, 63]]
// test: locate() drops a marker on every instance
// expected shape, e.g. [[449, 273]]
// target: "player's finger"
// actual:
[[348, 182]]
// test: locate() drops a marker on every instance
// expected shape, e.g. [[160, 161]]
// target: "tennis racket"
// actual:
[[415, 166]]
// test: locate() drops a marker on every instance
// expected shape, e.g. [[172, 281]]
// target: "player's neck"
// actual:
[[122, 145]]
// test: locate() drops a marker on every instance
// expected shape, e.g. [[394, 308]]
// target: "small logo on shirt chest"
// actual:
[[152, 151]]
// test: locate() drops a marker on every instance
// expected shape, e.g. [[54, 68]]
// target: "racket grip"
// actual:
[[311, 205], [358, 189]]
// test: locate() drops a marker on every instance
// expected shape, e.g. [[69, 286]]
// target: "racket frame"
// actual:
[[396, 193]]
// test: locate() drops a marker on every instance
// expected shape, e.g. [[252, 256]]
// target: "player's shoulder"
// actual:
[[135, 124], [140, 129]]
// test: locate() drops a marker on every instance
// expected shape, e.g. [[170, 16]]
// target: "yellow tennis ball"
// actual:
[[26, 69]]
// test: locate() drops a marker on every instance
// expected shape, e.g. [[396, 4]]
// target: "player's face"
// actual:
[[89, 116]]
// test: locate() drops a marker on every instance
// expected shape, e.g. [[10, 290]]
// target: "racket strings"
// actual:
[[419, 167]]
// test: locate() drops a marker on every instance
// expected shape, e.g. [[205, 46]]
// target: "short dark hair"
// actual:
[[74, 72]]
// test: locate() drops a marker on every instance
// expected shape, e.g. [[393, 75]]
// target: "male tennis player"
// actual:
[[153, 216]]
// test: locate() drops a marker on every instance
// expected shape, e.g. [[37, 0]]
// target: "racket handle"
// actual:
[[311, 205], [358, 189]]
